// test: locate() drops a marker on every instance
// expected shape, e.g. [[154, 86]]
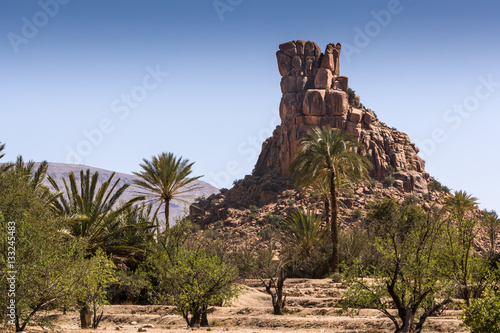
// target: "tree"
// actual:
[[3, 166], [331, 155], [482, 315], [412, 272], [461, 231], [198, 279], [94, 214], [166, 178], [94, 277], [491, 226], [43, 260]]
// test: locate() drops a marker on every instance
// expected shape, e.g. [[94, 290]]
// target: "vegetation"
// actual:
[[166, 178], [330, 155]]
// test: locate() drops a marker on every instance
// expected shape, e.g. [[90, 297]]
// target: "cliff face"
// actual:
[[315, 94]]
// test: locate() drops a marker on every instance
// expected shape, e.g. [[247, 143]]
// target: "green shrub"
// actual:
[[483, 314], [266, 234], [357, 213], [410, 199], [218, 224], [336, 277], [389, 181], [270, 186], [373, 183], [390, 170], [254, 209]]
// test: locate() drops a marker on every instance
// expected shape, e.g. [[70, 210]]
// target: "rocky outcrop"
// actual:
[[315, 94]]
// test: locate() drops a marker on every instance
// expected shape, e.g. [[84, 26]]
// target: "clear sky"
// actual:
[[108, 83]]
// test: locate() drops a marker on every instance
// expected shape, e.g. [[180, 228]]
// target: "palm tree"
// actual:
[[306, 230], [491, 224], [3, 166], [460, 202], [166, 178], [96, 214], [329, 155]]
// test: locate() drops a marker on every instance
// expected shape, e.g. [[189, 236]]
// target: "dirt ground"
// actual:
[[310, 308]]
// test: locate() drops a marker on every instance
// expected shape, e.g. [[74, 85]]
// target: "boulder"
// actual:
[[368, 118], [289, 48], [323, 79], [301, 84], [343, 82], [356, 116], [328, 61], [297, 63], [314, 102], [336, 103], [300, 45], [284, 63], [288, 84]]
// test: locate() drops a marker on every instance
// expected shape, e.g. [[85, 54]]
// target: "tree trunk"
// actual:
[[195, 319], [408, 322], [333, 225], [167, 211], [204, 319], [277, 298], [85, 316]]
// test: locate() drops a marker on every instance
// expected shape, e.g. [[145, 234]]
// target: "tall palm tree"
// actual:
[[97, 215], [332, 155], [460, 202], [491, 224], [306, 230], [166, 178]]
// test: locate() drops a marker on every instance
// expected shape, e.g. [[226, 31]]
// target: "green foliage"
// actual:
[[94, 213], [269, 185], [306, 230], [166, 178], [435, 185], [389, 181], [218, 224], [267, 233], [491, 226], [131, 287], [254, 209], [390, 170], [357, 213], [411, 199], [198, 279], [412, 272], [275, 220], [46, 261], [94, 278], [351, 93], [373, 183], [329, 159], [483, 314]]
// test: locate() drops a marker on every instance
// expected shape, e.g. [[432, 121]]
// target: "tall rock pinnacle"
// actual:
[[315, 94]]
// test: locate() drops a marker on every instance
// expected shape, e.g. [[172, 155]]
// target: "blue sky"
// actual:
[[107, 83]]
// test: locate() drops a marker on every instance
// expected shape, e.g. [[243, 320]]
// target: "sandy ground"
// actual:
[[310, 309]]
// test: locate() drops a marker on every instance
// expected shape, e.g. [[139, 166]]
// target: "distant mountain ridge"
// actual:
[[60, 170]]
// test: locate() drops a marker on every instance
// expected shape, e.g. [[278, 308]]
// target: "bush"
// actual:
[[357, 213], [270, 186], [373, 183], [389, 181], [483, 314], [435, 185], [410, 199], [390, 170], [218, 224], [266, 234], [254, 209]]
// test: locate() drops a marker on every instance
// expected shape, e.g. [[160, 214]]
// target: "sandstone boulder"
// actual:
[[314, 102], [289, 48], [343, 83], [328, 61], [284, 63], [301, 84], [323, 79], [297, 63], [356, 116], [336, 103], [300, 45]]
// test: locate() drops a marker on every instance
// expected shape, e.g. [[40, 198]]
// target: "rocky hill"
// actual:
[[315, 94], [60, 170]]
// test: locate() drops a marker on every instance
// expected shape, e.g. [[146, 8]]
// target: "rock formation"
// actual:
[[315, 94]]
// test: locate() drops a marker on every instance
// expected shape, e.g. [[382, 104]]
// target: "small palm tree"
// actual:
[[329, 155], [306, 230], [166, 178], [96, 214]]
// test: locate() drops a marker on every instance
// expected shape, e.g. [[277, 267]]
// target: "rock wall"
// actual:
[[315, 94]]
